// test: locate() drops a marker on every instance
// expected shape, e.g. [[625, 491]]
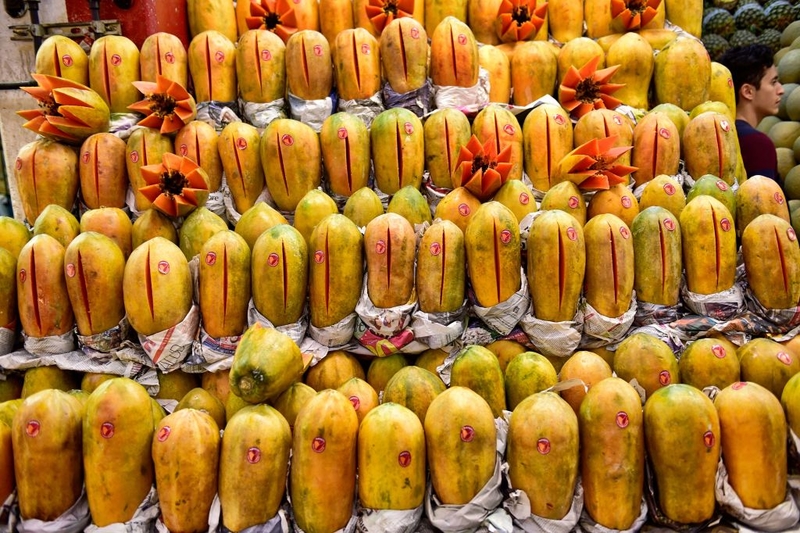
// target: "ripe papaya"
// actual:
[[656, 147], [414, 387], [398, 152], [199, 142], [441, 272], [404, 53], [772, 261], [390, 249], [541, 159], [212, 64], [492, 244], [494, 121], [309, 68], [333, 371], [102, 170], [113, 65], [224, 284], [261, 66], [361, 395], [46, 173], [526, 374], [164, 53], [344, 140], [145, 146], [291, 159], [708, 239], [648, 360], [357, 64], [446, 131], [709, 362], [657, 235], [478, 369], [608, 282], [454, 52]]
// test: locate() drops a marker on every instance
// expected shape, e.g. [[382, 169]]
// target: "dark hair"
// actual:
[[747, 64]]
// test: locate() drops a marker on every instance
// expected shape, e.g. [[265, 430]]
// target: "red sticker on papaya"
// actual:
[[505, 236], [66, 59], [241, 143], [134, 156], [719, 351], [462, 39], [253, 455], [524, 198], [664, 377], [85, 157], [18, 164], [211, 258], [509, 129], [791, 235], [342, 133], [317, 50], [32, 428], [467, 433], [625, 232], [559, 119], [380, 247], [163, 267], [725, 224], [287, 139], [669, 189], [464, 210], [22, 275], [543, 446], [739, 385], [617, 120], [622, 419], [116, 60], [107, 430], [779, 198], [626, 202], [219, 56], [664, 132], [183, 150], [709, 439], [356, 401], [573, 202], [725, 125], [784, 358], [70, 270], [319, 256], [572, 234], [163, 433], [404, 459], [365, 49], [273, 259], [669, 224], [266, 55], [169, 57], [409, 128], [415, 33], [435, 248], [721, 185], [318, 445]]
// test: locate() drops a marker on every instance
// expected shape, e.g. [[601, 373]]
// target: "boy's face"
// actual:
[[767, 97]]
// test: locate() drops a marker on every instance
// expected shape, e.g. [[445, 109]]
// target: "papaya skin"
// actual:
[[113, 65], [224, 284], [261, 66], [440, 275], [212, 64], [492, 243], [775, 283], [309, 73], [240, 157], [389, 247], [46, 173], [8, 289], [199, 142], [102, 170], [404, 54], [446, 131], [454, 53], [478, 369], [657, 235], [398, 153], [357, 62], [344, 141], [709, 245], [608, 282], [541, 159], [291, 159]]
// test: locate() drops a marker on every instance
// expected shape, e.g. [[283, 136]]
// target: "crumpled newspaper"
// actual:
[[73, 520], [437, 330], [311, 112], [52, 345], [649, 313], [366, 109], [277, 524], [600, 330], [556, 339], [143, 520], [335, 335], [296, 331], [218, 114], [8, 337], [210, 354], [388, 520], [504, 316], [106, 341], [261, 114], [519, 506], [385, 331], [721, 306], [167, 349]]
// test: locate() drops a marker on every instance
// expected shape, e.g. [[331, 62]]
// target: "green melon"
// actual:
[[786, 161], [767, 122], [789, 67], [783, 134], [791, 184], [788, 89]]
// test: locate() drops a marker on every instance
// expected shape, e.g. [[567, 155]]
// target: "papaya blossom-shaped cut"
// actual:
[[591, 165], [168, 106], [382, 12], [634, 14], [276, 16], [176, 186], [68, 111], [588, 88], [520, 20], [480, 169]]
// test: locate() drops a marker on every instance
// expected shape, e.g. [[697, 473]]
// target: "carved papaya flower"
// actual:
[[591, 166], [634, 14], [480, 169], [68, 111], [167, 105], [276, 16], [520, 20], [587, 88], [176, 186], [382, 12]]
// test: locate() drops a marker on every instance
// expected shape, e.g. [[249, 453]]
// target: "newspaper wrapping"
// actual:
[[143, 520]]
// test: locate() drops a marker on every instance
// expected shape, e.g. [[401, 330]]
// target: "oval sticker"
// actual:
[[66, 59], [266, 55], [253, 455], [85, 157], [169, 57], [626, 202], [342, 133], [467, 433], [543, 446], [725, 224], [241, 143], [622, 419], [509, 129], [719, 351], [505, 236], [464, 210], [559, 119], [287, 139], [404, 459], [318, 445], [669, 189], [356, 401], [70, 270], [380, 247], [573, 202], [708, 439], [617, 120], [107, 430], [524, 198], [784, 358], [664, 132], [163, 433], [32, 428], [116, 60], [319, 256], [134, 156], [664, 377], [462, 39], [669, 224], [739, 385], [791, 235], [414, 33], [317, 50], [409, 128], [219, 56], [625, 232], [365, 49], [721, 185], [22, 275], [572, 234], [211, 258], [435, 248], [779, 198], [273, 259], [163, 267], [725, 125], [18, 164], [183, 150]]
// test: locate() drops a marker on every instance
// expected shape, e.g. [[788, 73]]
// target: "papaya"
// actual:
[[768, 363], [533, 72], [599, 123], [409, 203], [145, 146], [117, 435], [657, 235], [333, 371], [612, 453], [753, 434], [212, 15], [265, 363], [261, 66], [709, 142], [361, 395], [199, 142], [708, 239], [430, 359], [58, 55], [357, 64], [494, 121], [516, 196], [617, 200], [175, 385], [323, 470], [42, 378], [664, 191], [709, 362], [161, 269], [290, 401], [759, 195], [224, 284], [164, 53], [335, 272], [542, 453], [186, 457], [772, 261], [635, 56], [362, 207], [113, 66], [565, 196], [15, 234], [586, 366], [672, 85], [608, 282], [459, 430], [381, 370], [552, 123], [46, 439], [256, 221], [481, 15], [57, 222], [478, 369], [152, 223], [8, 409], [722, 89], [506, 351], [7, 480], [389, 249], [686, 15], [91, 380], [197, 229], [398, 152], [391, 471], [454, 52], [526, 374], [578, 52], [212, 64], [102, 171], [556, 247], [648, 360], [233, 405], [404, 53], [8, 290], [713, 186], [492, 243], [338, 16], [217, 383], [112, 222], [43, 299], [497, 64], [254, 458], [202, 400], [565, 18], [309, 68], [682, 435], [46, 173], [656, 147], [344, 141], [599, 20], [292, 162], [441, 273], [446, 131], [93, 268], [458, 206], [788, 401], [311, 209], [414, 387]]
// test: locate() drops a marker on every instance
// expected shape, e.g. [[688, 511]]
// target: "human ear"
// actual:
[[747, 91]]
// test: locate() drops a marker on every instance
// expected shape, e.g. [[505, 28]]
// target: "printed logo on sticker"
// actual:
[[184, 149], [318, 445], [32, 428], [163, 433], [709, 439], [669, 189], [622, 419], [273, 260], [116, 60], [107, 430], [22, 275], [241, 143], [435, 248], [721, 185], [356, 401], [85, 157], [509, 129], [467, 433], [573, 202], [380, 247], [71, 270], [543, 446], [784, 358], [505, 236], [287, 139], [664, 377], [725, 125], [365, 49], [524, 198], [404, 459], [319, 256], [669, 224], [409, 128], [719, 351], [253, 455], [415, 33], [725, 224], [791, 235], [18, 164], [779, 198], [211, 258], [134, 156], [169, 57], [66, 60], [664, 132], [163, 267], [739, 385], [219, 56], [626, 202], [559, 119], [342, 133], [464, 210], [462, 39], [625, 232], [266, 55], [317, 50], [572, 234], [617, 120]]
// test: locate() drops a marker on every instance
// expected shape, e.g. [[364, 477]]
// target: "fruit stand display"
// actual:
[[399, 266]]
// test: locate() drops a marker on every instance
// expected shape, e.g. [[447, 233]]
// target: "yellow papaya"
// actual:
[[261, 66], [102, 170], [309, 68], [291, 159], [709, 142], [398, 152], [708, 239], [526, 374], [389, 250], [635, 56], [648, 360], [608, 282], [344, 141], [533, 72], [497, 64], [672, 85], [145, 146], [357, 64], [478, 369], [587, 366], [446, 131], [212, 64], [224, 284], [240, 157], [112, 222], [404, 54], [541, 159], [772, 261], [656, 148], [361, 395], [494, 121], [454, 52], [113, 65], [333, 371], [42, 295], [46, 173], [657, 236], [757, 196], [212, 15], [58, 55], [415, 388], [164, 53], [441, 273]]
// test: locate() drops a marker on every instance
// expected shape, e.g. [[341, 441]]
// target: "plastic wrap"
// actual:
[[504, 316], [311, 112], [261, 114], [167, 349], [475, 97], [417, 101], [123, 124], [366, 109]]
